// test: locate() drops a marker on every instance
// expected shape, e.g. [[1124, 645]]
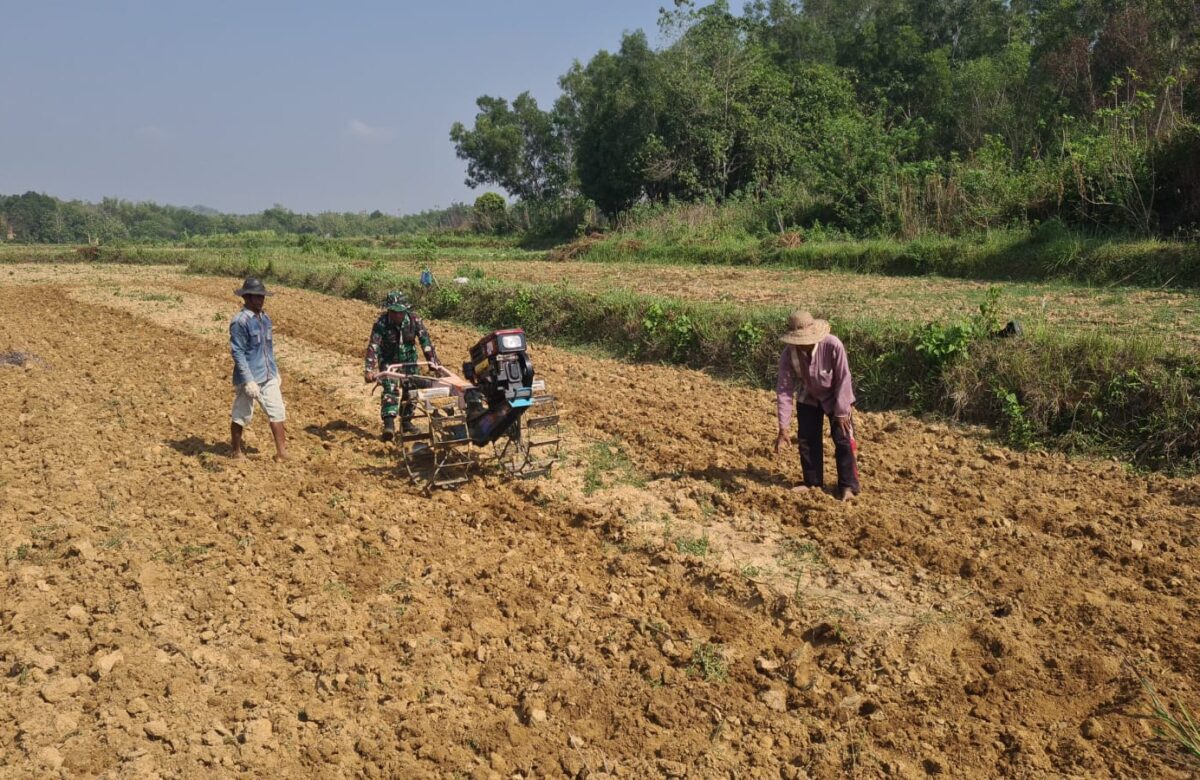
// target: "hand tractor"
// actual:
[[495, 402]]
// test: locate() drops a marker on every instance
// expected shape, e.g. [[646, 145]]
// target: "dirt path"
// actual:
[[661, 606]]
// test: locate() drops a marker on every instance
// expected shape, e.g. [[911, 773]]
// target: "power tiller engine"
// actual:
[[496, 401], [502, 373]]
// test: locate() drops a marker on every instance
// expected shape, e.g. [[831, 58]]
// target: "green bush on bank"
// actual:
[[109, 253], [1085, 393], [315, 242], [1048, 252]]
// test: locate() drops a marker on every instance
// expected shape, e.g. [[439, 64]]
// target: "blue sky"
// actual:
[[319, 106]]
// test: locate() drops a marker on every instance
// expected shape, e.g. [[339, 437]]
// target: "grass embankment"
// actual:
[[1170, 314], [1048, 252], [1137, 398], [355, 254], [167, 254], [315, 243]]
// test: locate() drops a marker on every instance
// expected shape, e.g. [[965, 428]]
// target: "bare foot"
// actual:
[[238, 455], [801, 489], [847, 495], [281, 457]]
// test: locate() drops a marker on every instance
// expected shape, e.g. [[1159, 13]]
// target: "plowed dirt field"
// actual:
[[660, 606]]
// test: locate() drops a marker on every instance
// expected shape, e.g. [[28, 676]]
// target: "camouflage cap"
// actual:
[[396, 301]]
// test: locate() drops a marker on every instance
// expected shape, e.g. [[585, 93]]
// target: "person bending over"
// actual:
[[814, 379]]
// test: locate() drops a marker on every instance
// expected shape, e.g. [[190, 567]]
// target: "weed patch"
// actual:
[[608, 465], [697, 546], [708, 663], [797, 555], [1177, 725]]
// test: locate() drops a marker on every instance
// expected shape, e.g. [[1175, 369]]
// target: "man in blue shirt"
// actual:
[[255, 375]]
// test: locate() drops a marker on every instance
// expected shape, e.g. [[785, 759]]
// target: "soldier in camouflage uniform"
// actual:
[[394, 339]]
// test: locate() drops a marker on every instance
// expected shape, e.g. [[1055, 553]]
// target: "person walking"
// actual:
[[395, 337], [814, 380], [255, 374]]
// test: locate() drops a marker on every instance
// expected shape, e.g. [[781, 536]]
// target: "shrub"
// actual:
[[446, 302], [1017, 429], [469, 271], [490, 213]]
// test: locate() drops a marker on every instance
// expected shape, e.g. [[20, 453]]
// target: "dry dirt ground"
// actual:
[[660, 606]]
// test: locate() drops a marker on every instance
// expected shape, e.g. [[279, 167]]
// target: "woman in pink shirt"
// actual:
[[814, 379]]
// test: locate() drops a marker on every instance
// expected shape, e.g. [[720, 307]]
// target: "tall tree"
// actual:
[[610, 110], [519, 147]]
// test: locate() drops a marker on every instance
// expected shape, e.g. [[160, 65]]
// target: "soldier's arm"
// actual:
[[426, 342], [371, 359]]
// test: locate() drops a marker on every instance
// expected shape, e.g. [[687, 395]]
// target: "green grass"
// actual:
[[398, 586], [125, 254], [707, 663], [1178, 725], [470, 271], [1046, 252], [116, 540], [607, 465], [698, 546], [797, 555], [156, 297]]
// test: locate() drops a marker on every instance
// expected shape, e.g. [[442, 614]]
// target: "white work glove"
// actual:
[[252, 390]]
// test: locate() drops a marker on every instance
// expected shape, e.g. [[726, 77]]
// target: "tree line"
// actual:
[[39, 218], [896, 117]]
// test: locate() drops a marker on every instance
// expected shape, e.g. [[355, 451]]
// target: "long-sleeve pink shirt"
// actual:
[[824, 380]]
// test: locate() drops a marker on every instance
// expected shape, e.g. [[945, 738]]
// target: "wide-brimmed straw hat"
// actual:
[[804, 329], [252, 286]]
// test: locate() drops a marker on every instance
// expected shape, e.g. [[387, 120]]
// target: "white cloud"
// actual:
[[356, 128]]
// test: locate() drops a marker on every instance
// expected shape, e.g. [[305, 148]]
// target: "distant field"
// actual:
[[848, 296], [1107, 370], [1172, 315]]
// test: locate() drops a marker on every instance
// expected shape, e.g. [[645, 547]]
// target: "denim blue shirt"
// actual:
[[253, 348]]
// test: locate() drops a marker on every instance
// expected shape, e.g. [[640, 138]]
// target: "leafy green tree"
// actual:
[[519, 147], [490, 213], [992, 95], [719, 88], [609, 110], [33, 217]]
